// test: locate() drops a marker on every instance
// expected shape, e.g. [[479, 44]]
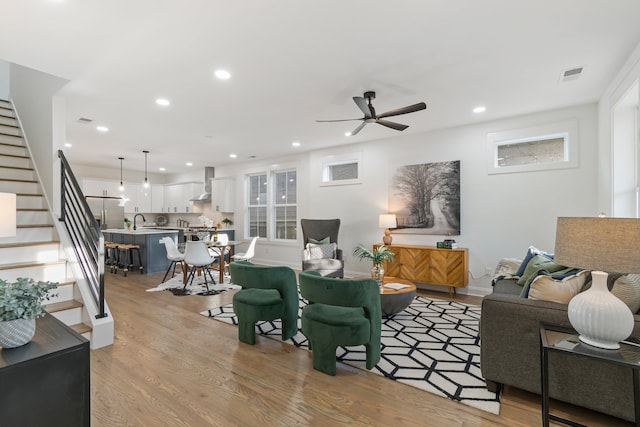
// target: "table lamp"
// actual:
[[387, 221], [599, 244], [7, 214]]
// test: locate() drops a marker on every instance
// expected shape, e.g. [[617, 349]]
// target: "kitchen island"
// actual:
[[152, 250]]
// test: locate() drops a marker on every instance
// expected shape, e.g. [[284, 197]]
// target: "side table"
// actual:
[[47, 381], [565, 340]]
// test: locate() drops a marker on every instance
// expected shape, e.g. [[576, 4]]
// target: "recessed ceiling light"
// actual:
[[102, 129], [233, 155], [162, 169], [480, 109], [163, 102], [68, 144], [347, 134], [189, 164], [295, 144], [222, 74]]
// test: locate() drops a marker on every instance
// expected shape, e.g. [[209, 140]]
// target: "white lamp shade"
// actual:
[[7, 214], [387, 221]]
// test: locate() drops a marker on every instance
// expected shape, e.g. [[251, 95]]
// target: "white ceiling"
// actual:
[[295, 61]]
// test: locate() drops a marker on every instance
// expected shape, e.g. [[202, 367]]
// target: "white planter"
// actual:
[[18, 332]]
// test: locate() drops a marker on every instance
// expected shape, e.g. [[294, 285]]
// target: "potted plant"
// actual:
[[227, 222], [20, 305], [377, 256], [127, 223]]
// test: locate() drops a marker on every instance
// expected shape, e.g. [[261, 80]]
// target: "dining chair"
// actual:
[[246, 256], [174, 255], [196, 255]]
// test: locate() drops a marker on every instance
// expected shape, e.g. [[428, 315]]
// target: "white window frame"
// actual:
[[568, 130], [344, 159], [270, 202], [271, 209]]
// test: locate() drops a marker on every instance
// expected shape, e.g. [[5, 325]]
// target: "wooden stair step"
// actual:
[[29, 264], [24, 244], [63, 305], [28, 181], [34, 225], [81, 328], [18, 168], [32, 210], [17, 156]]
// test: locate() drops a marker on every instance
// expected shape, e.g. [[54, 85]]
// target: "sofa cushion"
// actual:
[[321, 251], [507, 287], [531, 252], [547, 288], [627, 288]]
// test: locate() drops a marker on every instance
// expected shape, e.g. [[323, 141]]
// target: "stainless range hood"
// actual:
[[209, 173]]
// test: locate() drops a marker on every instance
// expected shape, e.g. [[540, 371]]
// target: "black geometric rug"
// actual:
[[432, 345]]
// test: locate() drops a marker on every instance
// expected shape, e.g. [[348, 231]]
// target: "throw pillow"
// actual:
[[536, 264], [323, 241], [561, 291], [627, 288], [531, 252], [321, 251]]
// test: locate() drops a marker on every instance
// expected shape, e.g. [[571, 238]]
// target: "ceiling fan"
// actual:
[[370, 116]]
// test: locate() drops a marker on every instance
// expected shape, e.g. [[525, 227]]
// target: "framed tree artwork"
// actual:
[[426, 198]]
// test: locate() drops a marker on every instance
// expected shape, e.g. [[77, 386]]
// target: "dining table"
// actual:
[[222, 250]]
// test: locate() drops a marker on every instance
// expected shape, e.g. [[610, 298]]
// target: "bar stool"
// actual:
[[126, 257], [111, 256]]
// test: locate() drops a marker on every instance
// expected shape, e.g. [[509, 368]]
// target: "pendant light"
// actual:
[[146, 181], [121, 188]]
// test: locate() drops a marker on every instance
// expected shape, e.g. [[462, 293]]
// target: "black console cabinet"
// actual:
[[46, 382]]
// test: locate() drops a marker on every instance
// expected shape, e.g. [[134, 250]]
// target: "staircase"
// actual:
[[36, 250]]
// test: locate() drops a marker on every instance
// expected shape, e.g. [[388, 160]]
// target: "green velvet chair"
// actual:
[[340, 313], [267, 293]]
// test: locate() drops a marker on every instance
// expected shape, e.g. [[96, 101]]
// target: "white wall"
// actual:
[[501, 215], [33, 93], [4, 79]]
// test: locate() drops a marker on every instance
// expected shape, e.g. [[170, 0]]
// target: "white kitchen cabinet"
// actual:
[[99, 187], [138, 198], [177, 196], [157, 199], [223, 194]]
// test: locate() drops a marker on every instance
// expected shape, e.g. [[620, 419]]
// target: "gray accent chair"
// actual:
[[319, 229]]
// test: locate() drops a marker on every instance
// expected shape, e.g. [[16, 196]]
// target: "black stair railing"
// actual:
[[84, 231]]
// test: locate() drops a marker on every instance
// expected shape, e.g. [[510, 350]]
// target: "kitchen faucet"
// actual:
[[134, 220]]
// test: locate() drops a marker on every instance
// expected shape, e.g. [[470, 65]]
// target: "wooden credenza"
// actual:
[[430, 265]]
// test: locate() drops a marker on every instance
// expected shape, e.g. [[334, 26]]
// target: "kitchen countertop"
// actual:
[[141, 230]]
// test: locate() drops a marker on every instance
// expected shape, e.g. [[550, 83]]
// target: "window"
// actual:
[[551, 146], [257, 206], [272, 205], [342, 170], [285, 209]]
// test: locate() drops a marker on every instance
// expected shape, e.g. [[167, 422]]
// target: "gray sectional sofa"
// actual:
[[510, 354]]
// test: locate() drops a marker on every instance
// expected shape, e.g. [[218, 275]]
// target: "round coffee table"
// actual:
[[393, 301]]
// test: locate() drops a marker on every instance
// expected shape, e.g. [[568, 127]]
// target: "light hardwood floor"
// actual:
[[170, 366]]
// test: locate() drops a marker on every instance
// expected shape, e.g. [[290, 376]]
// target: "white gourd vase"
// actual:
[[601, 318]]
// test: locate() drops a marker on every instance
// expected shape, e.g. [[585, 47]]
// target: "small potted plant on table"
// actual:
[[20, 305], [227, 222], [378, 256]]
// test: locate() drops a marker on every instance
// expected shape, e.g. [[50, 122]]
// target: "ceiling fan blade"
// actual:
[[404, 110], [342, 120], [363, 106], [392, 125], [358, 129]]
